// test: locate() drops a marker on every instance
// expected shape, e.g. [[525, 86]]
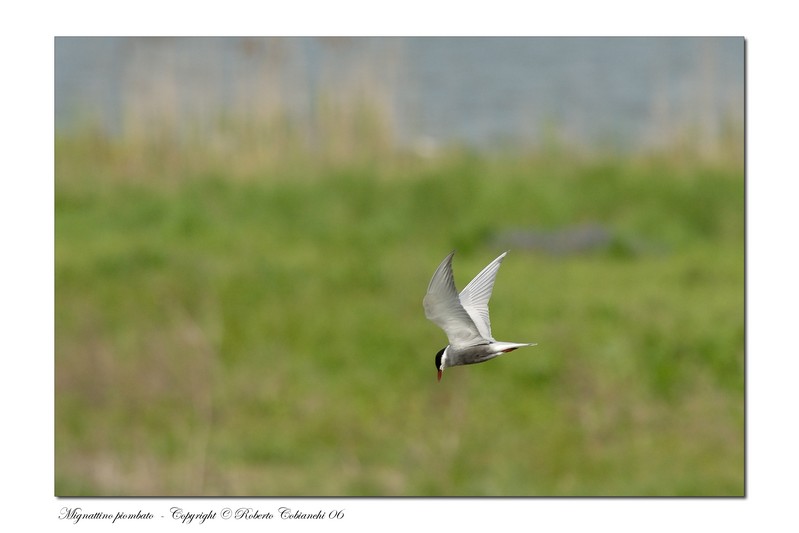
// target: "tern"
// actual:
[[464, 316]]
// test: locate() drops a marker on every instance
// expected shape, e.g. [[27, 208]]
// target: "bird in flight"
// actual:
[[464, 316]]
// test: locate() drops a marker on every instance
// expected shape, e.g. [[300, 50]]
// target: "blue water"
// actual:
[[623, 92]]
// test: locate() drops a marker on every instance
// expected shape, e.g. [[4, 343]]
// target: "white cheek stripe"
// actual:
[[444, 359]]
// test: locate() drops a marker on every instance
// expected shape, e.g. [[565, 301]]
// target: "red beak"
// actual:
[[439, 375]]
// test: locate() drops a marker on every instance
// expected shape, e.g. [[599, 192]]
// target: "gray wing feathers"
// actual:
[[474, 298], [443, 307]]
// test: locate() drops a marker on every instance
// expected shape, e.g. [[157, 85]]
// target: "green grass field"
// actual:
[[231, 326]]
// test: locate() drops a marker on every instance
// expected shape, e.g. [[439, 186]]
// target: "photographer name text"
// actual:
[[200, 516]]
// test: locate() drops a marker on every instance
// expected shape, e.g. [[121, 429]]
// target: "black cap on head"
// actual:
[[438, 357]]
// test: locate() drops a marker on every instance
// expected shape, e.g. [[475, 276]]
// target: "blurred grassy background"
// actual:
[[244, 318]]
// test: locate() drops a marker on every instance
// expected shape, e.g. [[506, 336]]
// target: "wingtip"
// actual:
[[449, 256]]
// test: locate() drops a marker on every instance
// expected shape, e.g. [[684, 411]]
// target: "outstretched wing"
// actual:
[[474, 298], [443, 307]]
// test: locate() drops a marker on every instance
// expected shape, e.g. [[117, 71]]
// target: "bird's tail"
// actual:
[[506, 347]]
